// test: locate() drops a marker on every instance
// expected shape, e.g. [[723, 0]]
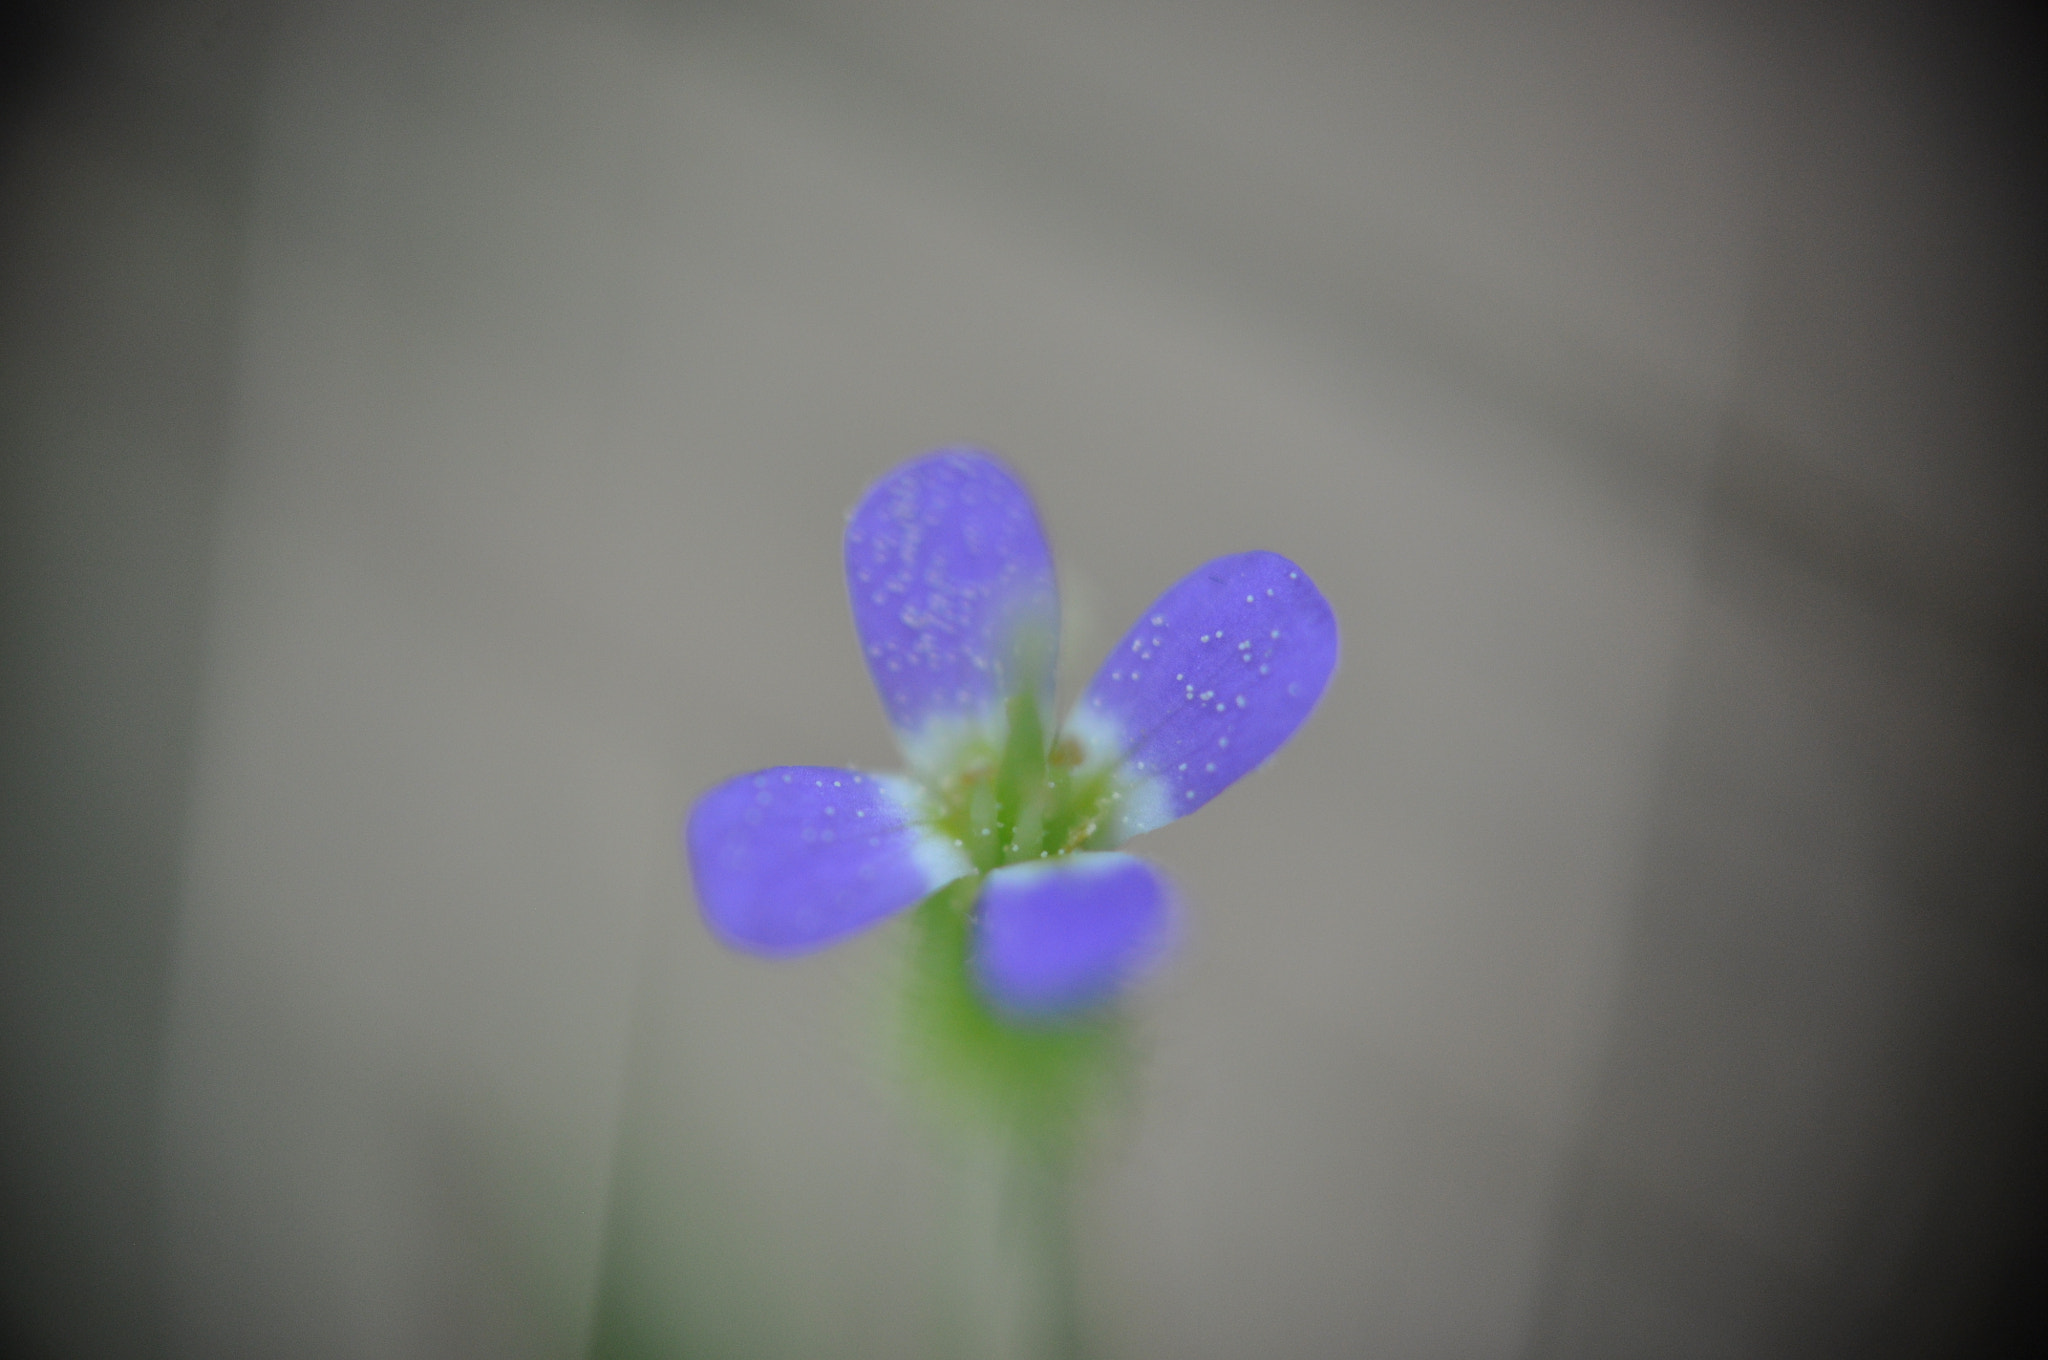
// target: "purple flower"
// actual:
[[954, 599]]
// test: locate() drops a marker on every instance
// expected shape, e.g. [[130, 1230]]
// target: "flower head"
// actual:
[[954, 599]]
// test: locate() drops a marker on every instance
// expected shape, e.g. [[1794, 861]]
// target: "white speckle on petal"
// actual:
[[1240, 701]]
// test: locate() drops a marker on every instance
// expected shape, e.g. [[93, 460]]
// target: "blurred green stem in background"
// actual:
[[1011, 1279], [1017, 1101]]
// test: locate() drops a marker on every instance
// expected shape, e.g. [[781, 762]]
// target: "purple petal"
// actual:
[[1212, 679], [790, 859], [1067, 933], [953, 594]]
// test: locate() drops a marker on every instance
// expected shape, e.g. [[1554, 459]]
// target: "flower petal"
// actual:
[[791, 859], [1066, 933], [1211, 680], [953, 597]]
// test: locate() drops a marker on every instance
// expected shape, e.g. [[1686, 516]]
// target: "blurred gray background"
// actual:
[[428, 428]]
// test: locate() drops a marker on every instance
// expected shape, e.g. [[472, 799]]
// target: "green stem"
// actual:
[[1020, 782], [1016, 1297], [1015, 1103], [1038, 1219]]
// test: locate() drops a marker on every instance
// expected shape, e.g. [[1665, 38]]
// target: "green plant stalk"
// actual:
[[1016, 1098]]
